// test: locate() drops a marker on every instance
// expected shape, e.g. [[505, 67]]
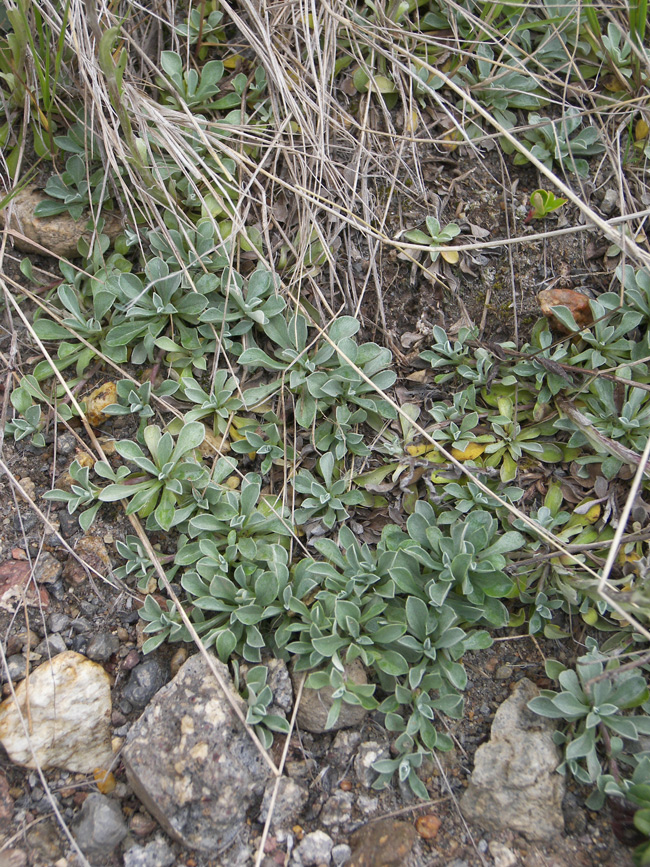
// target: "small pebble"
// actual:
[[341, 854], [58, 622], [17, 666], [51, 646], [315, 849], [69, 524], [503, 857], [609, 202], [80, 624], [66, 444], [144, 682], [141, 824], [503, 672], [47, 569], [100, 826], [102, 646], [79, 643], [131, 660], [154, 854]]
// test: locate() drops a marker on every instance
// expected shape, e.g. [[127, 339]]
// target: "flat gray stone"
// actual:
[[514, 784], [100, 826], [191, 763]]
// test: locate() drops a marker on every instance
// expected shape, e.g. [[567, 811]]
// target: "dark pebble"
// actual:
[[57, 590], [69, 524], [79, 643], [25, 521], [102, 646], [58, 622], [80, 624], [144, 682], [17, 666]]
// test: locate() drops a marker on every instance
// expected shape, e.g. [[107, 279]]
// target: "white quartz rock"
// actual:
[[69, 715]]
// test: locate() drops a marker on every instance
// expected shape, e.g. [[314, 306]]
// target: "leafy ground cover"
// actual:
[[336, 483]]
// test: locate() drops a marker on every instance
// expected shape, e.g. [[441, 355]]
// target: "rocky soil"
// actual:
[[145, 762], [113, 758]]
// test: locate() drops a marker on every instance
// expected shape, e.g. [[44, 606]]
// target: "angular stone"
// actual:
[[17, 667], [315, 849], [315, 704], [102, 646], [289, 801], [154, 854], [514, 784], [144, 681], [191, 763], [70, 712], [280, 683], [369, 753], [58, 622], [337, 809], [100, 826], [386, 843], [47, 569], [51, 646]]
